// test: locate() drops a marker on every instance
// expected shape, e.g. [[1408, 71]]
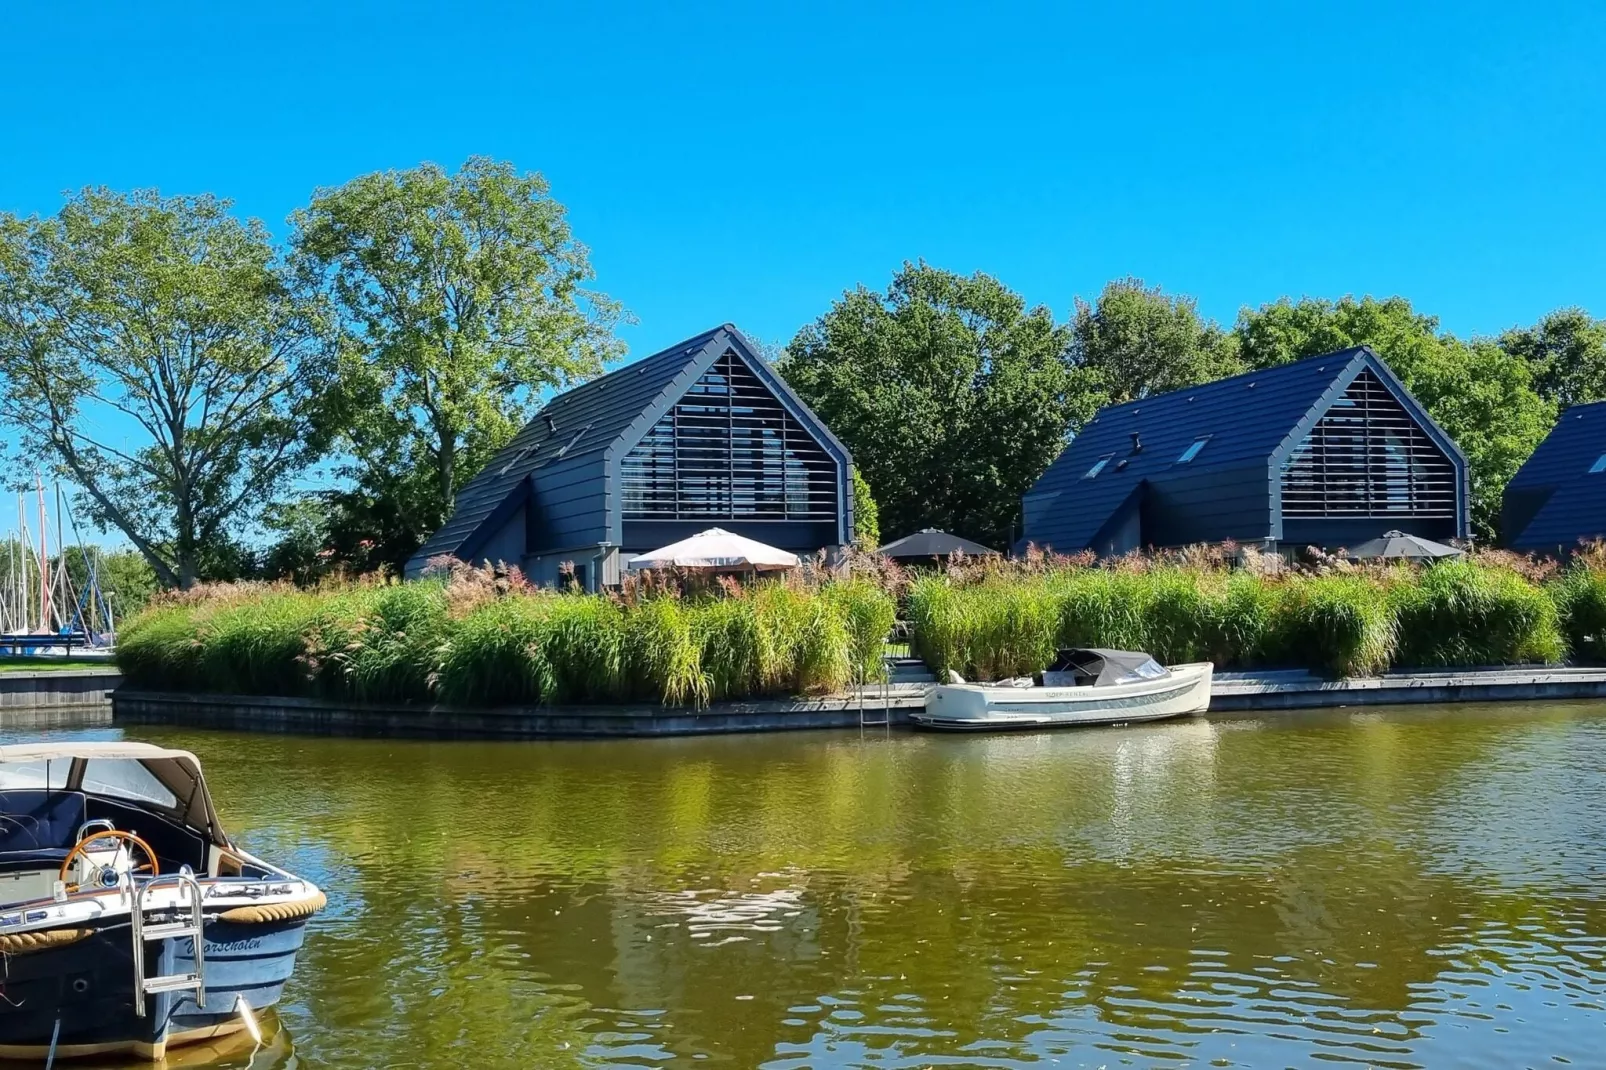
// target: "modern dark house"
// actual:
[[1327, 451], [1558, 498], [703, 434]]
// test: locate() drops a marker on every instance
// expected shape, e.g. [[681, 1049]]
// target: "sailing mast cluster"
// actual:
[[43, 609]]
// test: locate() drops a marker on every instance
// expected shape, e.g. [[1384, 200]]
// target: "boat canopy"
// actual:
[[1102, 668], [164, 781]]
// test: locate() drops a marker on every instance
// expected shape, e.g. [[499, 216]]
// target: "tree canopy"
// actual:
[[1136, 341], [462, 297], [159, 353], [951, 393], [1566, 354]]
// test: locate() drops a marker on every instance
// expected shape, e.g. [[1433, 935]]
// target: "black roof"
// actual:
[[1245, 419], [933, 543], [1554, 500], [611, 412]]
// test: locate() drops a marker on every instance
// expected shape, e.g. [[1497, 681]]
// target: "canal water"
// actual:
[[1403, 888]]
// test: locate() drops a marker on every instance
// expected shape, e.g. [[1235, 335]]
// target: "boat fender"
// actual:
[[23, 943], [264, 912]]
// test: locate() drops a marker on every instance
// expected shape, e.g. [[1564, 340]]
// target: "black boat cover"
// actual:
[[1101, 668]]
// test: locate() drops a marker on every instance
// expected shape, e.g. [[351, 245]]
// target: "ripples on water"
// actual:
[[1404, 888]]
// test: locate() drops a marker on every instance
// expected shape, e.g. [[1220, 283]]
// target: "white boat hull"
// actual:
[[976, 707]]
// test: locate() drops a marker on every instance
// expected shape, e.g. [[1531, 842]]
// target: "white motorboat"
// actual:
[[129, 922], [1082, 687]]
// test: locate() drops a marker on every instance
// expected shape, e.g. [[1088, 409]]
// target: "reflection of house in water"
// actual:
[[1329, 451]]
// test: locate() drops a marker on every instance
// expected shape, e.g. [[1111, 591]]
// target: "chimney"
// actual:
[[551, 424], [1137, 443]]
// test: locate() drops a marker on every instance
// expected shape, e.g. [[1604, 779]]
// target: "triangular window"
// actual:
[[1368, 457], [728, 450]]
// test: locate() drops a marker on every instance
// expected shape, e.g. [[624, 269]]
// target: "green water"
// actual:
[[1416, 887]]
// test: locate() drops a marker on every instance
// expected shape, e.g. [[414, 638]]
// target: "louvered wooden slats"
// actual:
[[728, 450], [1367, 457]]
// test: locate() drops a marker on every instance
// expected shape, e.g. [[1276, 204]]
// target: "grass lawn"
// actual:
[[30, 664]]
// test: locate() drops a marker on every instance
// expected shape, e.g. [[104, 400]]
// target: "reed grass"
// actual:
[[998, 621], [1459, 613]]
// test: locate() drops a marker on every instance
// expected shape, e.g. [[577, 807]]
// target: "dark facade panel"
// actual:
[[798, 537]]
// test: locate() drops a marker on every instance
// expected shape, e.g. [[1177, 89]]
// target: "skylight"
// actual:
[[1098, 466], [1599, 466], [1193, 450]]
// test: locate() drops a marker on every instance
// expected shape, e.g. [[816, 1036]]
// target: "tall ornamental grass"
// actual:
[[477, 644], [1459, 613], [1000, 621]]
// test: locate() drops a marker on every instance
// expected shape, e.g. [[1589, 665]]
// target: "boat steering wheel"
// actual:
[[116, 834]]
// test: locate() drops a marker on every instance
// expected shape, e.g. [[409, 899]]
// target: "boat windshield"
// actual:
[[1147, 670]]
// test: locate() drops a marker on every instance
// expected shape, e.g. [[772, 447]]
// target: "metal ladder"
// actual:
[[145, 934], [867, 718]]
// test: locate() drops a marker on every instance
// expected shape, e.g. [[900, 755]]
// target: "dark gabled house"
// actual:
[[1557, 499], [1327, 451], [703, 434]]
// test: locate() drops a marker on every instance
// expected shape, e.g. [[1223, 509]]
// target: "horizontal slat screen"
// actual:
[[728, 450], [1368, 458]]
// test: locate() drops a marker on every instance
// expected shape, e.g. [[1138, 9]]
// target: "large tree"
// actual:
[[463, 296], [1483, 397], [952, 395], [1566, 352], [157, 353], [1138, 341]]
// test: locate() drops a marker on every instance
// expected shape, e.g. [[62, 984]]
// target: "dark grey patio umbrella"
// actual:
[[933, 543], [1399, 545]]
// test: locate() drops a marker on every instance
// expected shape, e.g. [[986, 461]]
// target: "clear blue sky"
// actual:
[[748, 163]]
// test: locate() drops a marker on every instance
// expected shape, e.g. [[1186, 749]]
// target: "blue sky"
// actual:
[[748, 163]]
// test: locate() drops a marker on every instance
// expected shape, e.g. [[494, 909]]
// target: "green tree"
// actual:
[[1566, 352], [462, 297], [1483, 397], [952, 395], [159, 353], [866, 515], [1139, 341]]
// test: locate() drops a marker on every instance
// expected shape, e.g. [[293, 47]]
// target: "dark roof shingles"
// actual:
[[1246, 417]]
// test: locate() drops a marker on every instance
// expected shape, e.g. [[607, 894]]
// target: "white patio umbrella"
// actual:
[[716, 550]]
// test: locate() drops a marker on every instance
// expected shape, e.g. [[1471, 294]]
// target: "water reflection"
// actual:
[[1407, 888]]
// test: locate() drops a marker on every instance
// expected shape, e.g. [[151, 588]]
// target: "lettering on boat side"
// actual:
[[231, 946]]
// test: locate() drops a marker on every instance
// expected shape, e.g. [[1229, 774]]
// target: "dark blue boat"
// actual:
[[129, 922]]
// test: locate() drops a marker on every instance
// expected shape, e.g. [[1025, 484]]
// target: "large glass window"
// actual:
[[1367, 457], [728, 450]]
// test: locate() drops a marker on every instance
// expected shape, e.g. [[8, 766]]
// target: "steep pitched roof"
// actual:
[[1554, 499], [609, 414], [1245, 420]]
